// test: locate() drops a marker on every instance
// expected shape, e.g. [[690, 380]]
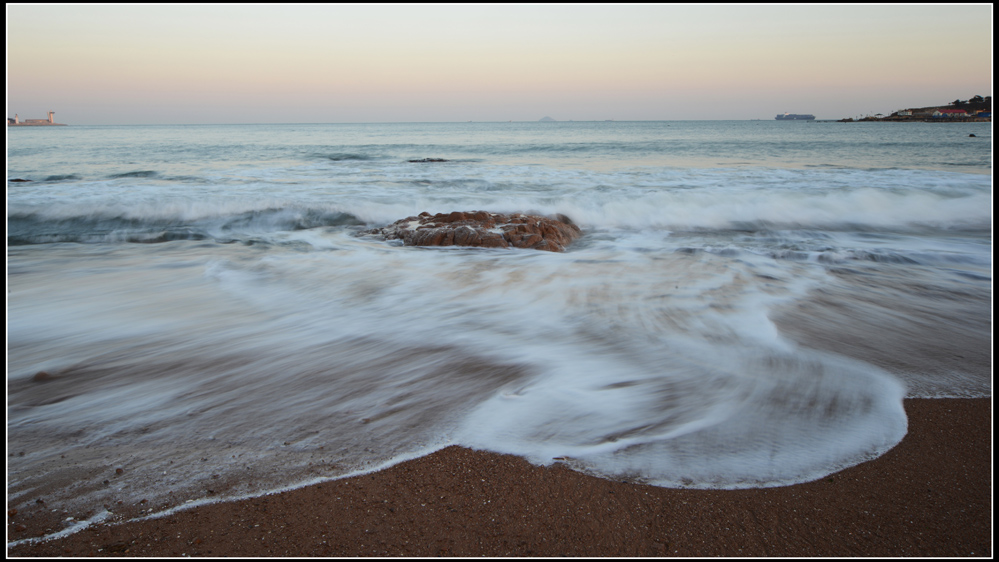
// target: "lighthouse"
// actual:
[[47, 122]]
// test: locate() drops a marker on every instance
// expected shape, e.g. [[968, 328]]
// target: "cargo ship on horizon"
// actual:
[[795, 117]]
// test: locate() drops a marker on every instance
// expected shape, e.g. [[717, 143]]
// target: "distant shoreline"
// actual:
[[974, 110], [919, 120]]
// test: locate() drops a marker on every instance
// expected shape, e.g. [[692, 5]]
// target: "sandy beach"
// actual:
[[929, 496]]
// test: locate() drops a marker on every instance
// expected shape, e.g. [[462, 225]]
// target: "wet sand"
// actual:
[[929, 496]]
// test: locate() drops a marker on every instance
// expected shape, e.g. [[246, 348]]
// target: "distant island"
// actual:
[[975, 109], [546, 118], [50, 122]]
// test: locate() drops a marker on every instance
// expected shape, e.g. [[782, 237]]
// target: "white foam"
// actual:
[[711, 423], [646, 351], [632, 199], [75, 527]]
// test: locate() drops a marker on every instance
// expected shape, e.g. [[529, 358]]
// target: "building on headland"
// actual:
[[949, 113], [16, 121]]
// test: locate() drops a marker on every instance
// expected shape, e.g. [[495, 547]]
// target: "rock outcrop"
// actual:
[[483, 229]]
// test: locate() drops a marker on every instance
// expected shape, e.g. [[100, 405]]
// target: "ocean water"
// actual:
[[749, 305]]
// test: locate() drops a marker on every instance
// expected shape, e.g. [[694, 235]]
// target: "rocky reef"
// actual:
[[483, 229]]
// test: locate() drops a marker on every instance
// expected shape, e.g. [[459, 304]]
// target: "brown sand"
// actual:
[[929, 496]]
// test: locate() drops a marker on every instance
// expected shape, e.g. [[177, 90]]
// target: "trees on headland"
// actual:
[[976, 103], [972, 100]]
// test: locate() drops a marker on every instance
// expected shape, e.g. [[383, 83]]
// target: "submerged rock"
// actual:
[[483, 229], [429, 160]]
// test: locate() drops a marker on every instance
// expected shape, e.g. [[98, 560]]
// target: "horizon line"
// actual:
[[420, 122]]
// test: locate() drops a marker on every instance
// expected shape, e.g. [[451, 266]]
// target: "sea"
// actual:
[[195, 313]]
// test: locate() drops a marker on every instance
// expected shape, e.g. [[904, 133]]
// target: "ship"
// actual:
[[795, 117]]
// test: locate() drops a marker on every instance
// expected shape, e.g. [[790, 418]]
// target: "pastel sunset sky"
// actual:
[[145, 64]]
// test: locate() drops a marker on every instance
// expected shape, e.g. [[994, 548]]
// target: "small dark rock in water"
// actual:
[[430, 160], [972, 135], [42, 376], [119, 471], [17, 180], [483, 229]]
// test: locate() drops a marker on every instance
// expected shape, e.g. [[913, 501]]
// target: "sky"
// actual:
[[185, 64]]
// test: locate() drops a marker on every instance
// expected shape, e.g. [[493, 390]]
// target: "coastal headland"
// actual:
[[975, 109], [929, 496]]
